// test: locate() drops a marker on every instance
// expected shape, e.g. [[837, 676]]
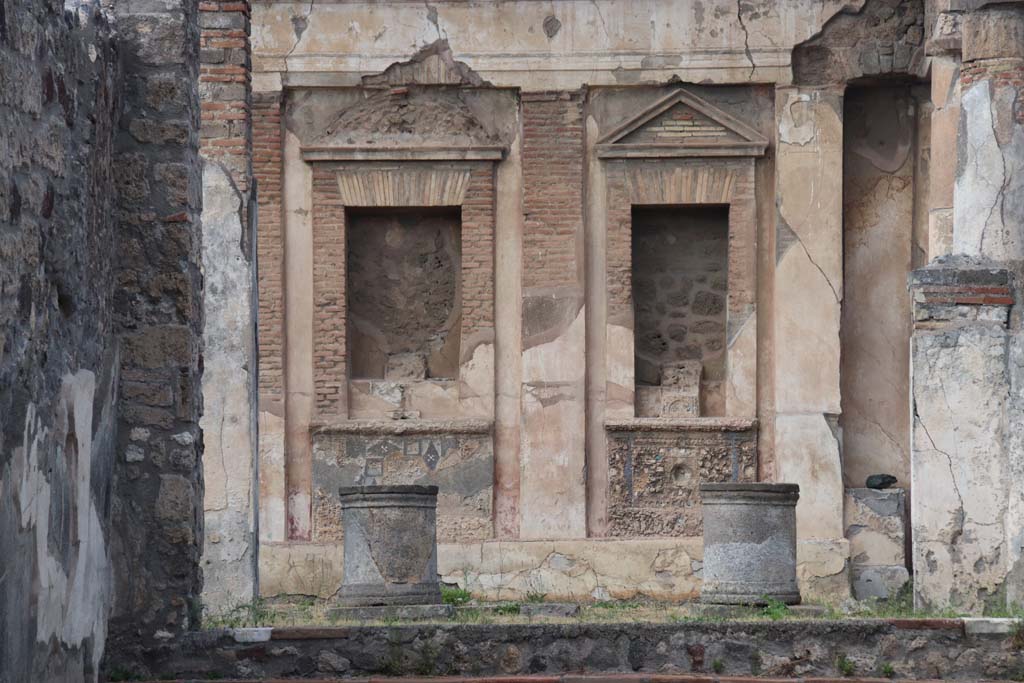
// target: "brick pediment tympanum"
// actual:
[[681, 125]]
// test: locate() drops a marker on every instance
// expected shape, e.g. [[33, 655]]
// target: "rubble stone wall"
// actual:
[[680, 261], [158, 309], [60, 93], [727, 651]]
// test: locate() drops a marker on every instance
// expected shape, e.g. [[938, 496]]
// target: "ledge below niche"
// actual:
[[681, 424], [405, 427]]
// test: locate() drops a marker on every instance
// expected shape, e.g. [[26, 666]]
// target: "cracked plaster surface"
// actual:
[[958, 434], [664, 569], [228, 394], [989, 190], [639, 38], [58, 522]]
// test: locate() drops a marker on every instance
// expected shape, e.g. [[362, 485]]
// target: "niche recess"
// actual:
[[404, 293], [681, 169], [680, 260]]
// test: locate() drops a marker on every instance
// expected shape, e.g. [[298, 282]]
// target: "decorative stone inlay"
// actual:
[[456, 456], [656, 464]]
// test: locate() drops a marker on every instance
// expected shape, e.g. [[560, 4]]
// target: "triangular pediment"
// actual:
[[681, 125]]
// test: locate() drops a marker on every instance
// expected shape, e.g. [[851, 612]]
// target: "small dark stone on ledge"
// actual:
[[880, 481]]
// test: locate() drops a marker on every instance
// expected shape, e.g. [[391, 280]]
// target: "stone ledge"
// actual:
[[392, 612], [974, 626], [405, 427], [480, 153], [680, 424]]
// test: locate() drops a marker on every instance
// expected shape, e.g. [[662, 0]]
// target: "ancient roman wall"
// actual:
[[588, 112], [59, 109], [967, 449], [103, 313]]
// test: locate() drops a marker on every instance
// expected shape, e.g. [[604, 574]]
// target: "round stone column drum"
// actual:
[[749, 543], [390, 547]]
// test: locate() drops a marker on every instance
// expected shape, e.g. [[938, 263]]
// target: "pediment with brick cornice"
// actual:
[[682, 125], [406, 124]]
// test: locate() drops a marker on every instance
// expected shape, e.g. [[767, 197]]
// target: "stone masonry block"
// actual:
[[875, 524]]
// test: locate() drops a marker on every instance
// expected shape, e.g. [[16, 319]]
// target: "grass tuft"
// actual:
[[451, 595]]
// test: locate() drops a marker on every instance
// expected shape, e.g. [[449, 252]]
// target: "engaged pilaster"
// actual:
[[229, 297], [808, 298]]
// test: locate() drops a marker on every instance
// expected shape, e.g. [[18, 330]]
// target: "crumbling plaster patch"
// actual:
[[989, 190], [663, 569], [229, 559], [753, 38], [72, 589], [960, 538]]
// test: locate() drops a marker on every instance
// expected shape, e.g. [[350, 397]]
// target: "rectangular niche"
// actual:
[[404, 293], [680, 262]]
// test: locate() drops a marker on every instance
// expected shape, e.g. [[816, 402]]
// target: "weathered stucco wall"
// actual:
[[878, 219], [355, 79], [544, 46], [229, 336], [59, 105], [967, 448]]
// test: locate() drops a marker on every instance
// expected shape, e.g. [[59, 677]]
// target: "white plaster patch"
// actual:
[[988, 182], [959, 470], [559, 360], [228, 460], [70, 606], [807, 454], [796, 126]]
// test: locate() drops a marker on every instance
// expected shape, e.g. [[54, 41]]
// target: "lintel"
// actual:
[[469, 153]]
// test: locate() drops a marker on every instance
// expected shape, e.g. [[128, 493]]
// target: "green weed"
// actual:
[[774, 609], [455, 596], [844, 666]]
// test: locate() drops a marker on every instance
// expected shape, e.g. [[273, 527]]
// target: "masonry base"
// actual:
[[799, 649]]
